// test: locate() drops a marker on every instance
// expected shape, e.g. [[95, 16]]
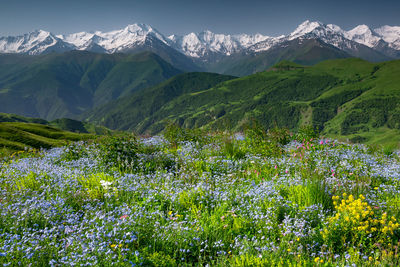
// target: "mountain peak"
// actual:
[[138, 27], [390, 34], [364, 35], [305, 27], [361, 29], [39, 33], [205, 45]]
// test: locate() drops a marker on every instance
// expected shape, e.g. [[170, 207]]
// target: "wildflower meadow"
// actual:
[[190, 198]]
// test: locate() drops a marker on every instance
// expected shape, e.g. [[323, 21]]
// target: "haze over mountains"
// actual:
[[372, 44]]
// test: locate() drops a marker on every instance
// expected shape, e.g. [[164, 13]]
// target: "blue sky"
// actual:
[[180, 16]]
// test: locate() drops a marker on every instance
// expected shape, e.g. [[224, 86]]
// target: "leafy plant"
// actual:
[[119, 151]]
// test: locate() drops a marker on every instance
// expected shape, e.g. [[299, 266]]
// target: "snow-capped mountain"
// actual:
[[364, 35], [391, 35], [115, 41], [330, 34], [206, 46], [34, 43], [205, 43]]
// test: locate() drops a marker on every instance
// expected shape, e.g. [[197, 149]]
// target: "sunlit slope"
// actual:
[[15, 136], [346, 98]]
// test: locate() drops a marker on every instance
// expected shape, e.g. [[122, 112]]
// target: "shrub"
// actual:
[[260, 142], [175, 134], [119, 151], [280, 135], [306, 132]]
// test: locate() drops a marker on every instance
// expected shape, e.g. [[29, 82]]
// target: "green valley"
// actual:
[[351, 99], [65, 85]]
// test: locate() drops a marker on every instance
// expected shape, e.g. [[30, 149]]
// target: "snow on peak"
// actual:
[[113, 41], [361, 29], [138, 27], [247, 40], [198, 45], [335, 28], [78, 39], [364, 35], [304, 28], [31, 43], [390, 34]]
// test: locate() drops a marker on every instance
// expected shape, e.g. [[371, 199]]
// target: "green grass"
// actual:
[[65, 124], [17, 136]]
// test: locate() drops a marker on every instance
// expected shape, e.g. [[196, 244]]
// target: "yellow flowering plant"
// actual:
[[356, 223]]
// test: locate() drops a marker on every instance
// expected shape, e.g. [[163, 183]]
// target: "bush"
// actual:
[[280, 135], [175, 134], [306, 132], [260, 142], [119, 151]]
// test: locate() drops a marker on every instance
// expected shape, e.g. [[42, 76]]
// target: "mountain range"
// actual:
[[344, 83], [206, 47]]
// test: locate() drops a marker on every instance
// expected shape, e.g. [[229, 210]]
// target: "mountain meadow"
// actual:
[[286, 157], [194, 198]]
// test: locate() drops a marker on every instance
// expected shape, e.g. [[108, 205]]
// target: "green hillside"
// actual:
[[62, 124], [64, 85], [346, 98], [16, 136], [122, 114]]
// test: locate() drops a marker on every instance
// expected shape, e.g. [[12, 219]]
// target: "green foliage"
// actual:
[[160, 259], [200, 198], [98, 186], [70, 125], [324, 109], [280, 135], [233, 148], [119, 152], [74, 151], [176, 134], [306, 133], [263, 143], [64, 124]]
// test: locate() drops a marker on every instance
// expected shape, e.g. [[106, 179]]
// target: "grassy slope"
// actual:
[[16, 136], [64, 85], [374, 116], [132, 110], [62, 124], [347, 98]]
